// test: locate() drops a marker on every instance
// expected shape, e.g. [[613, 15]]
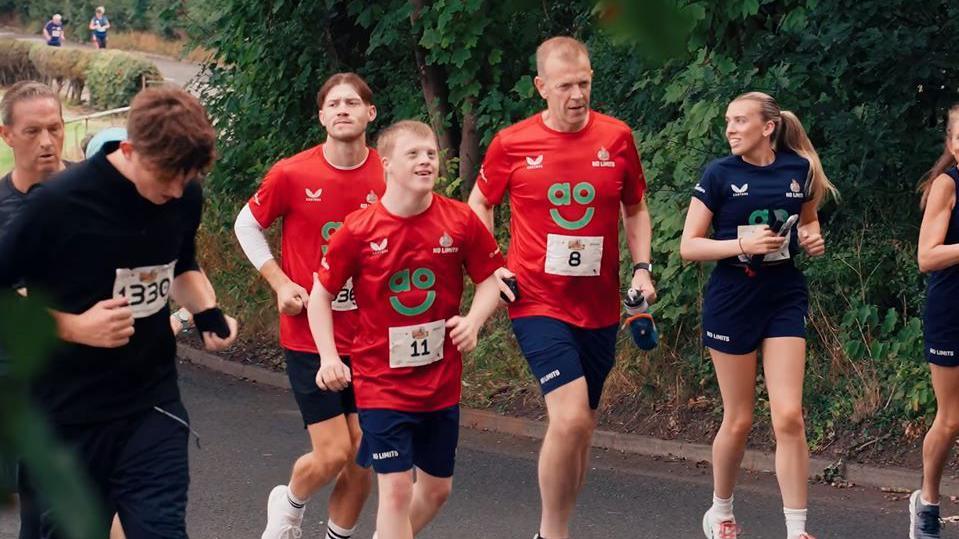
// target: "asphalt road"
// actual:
[[251, 434]]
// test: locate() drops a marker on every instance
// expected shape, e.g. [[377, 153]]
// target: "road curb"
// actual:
[[758, 461]]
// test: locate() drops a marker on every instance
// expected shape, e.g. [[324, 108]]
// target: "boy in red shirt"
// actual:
[[570, 172], [406, 257], [313, 191]]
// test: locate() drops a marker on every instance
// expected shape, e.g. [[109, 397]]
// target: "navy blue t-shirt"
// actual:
[[56, 32], [941, 320], [739, 193]]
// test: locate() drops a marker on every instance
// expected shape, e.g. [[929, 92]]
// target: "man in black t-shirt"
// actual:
[[32, 125], [116, 234]]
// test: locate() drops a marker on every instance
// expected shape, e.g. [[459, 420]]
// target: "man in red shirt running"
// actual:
[[570, 173], [313, 192], [406, 256]]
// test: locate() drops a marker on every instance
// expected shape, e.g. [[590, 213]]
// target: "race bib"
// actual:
[[55, 33], [345, 300], [147, 288], [574, 256], [418, 345], [745, 231]]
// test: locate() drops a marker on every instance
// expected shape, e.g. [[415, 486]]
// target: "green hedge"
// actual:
[[114, 77], [15, 62], [63, 66]]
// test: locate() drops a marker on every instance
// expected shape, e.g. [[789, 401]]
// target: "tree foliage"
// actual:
[[869, 79]]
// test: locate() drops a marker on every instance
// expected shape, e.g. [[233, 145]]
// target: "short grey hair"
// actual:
[[24, 91]]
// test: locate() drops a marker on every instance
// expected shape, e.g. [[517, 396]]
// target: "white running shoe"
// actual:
[[720, 529], [282, 519]]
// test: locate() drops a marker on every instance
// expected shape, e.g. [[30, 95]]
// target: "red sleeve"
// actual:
[[270, 200], [493, 178], [634, 185], [341, 260], [483, 255]]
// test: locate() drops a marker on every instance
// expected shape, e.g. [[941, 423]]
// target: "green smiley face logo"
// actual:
[[560, 194], [327, 231], [401, 281], [761, 217]]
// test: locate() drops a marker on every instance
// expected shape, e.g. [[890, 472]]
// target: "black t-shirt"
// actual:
[[11, 200], [87, 236]]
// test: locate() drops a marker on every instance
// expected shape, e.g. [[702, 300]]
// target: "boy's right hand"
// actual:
[[333, 375], [291, 298]]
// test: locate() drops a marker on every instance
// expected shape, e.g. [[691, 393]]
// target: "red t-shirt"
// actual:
[[314, 198], [408, 276], [565, 191]]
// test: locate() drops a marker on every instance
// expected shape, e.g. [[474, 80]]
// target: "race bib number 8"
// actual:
[[745, 231], [147, 288], [415, 346], [574, 256], [345, 300]]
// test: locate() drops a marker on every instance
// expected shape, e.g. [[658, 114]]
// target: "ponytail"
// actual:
[[946, 161], [789, 134]]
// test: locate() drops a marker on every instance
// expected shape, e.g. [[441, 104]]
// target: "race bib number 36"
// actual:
[[574, 256], [415, 346], [147, 288], [345, 300]]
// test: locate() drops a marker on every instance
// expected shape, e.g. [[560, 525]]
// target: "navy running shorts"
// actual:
[[558, 353], [395, 441], [740, 311]]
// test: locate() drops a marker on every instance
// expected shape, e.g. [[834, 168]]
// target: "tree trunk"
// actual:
[[469, 148], [434, 92]]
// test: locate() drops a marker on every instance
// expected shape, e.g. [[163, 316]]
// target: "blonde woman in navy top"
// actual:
[[756, 298], [939, 257]]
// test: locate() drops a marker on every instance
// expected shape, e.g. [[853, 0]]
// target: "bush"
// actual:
[[15, 62], [62, 65], [114, 77]]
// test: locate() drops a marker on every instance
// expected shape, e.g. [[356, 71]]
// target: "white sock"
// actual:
[[924, 502], [722, 509], [795, 522], [335, 532], [295, 502]]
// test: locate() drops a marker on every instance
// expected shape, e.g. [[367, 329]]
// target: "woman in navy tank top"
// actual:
[[939, 257], [756, 298]]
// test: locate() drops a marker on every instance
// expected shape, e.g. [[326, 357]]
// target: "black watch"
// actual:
[[648, 266]]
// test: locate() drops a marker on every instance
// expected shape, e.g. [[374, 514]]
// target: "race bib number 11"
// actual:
[[147, 288], [418, 345]]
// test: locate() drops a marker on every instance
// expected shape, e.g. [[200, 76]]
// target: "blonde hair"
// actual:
[[946, 161], [567, 48], [387, 137], [789, 133]]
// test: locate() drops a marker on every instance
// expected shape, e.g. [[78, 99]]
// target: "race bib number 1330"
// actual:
[[146, 288]]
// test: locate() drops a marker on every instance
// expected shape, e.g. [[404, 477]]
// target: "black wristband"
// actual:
[[643, 266], [212, 320]]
